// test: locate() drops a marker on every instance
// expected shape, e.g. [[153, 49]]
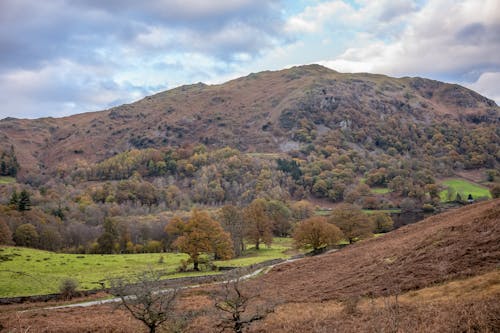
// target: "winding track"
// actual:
[[263, 270]]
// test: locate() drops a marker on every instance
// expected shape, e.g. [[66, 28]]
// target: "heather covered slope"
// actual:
[[457, 244], [265, 112]]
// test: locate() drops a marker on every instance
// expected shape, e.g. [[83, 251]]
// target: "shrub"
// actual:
[[67, 288]]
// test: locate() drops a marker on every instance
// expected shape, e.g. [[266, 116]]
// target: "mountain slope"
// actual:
[[264, 112]]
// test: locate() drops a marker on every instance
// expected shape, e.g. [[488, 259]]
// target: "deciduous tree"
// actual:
[[258, 225], [316, 233], [143, 298], [234, 301], [26, 235], [231, 219], [200, 234], [352, 221], [5, 233], [382, 222]]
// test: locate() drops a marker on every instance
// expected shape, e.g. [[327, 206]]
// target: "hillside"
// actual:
[[277, 111], [456, 244], [443, 269]]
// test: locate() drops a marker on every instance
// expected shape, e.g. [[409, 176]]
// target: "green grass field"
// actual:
[[281, 248], [380, 190], [36, 272], [388, 211], [7, 180], [463, 187]]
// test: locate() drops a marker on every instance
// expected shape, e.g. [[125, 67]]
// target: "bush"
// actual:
[[67, 288], [428, 208]]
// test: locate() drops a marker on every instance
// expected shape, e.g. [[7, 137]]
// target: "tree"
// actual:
[[258, 226], [495, 191], [143, 297], [5, 233], [316, 233], [408, 205], [352, 221], [200, 234], [233, 300], [231, 220], [280, 216], [26, 235], [302, 210], [382, 222], [108, 239], [50, 238], [24, 203], [14, 200]]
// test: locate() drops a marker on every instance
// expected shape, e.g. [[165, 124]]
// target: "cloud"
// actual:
[[487, 85], [446, 39], [61, 89], [111, 48]]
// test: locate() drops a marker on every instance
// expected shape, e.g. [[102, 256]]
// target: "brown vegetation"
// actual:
[[456, 244], [443, 271]]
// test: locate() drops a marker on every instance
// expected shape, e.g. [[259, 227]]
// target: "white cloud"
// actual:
[[445, 39], [488, 84]]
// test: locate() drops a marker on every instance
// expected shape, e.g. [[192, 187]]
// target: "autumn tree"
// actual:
[[382, 222], [495, 191], [302, 210], [231, 219], [316, 233], [26, 235], [258, 225], [106, 242], [352, 221], [5, 233], [200, 234], [280, 216]]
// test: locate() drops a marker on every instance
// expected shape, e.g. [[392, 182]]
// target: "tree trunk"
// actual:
[[195, 265], [257, 243]]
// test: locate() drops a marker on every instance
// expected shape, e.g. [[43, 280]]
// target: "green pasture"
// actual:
[[463, 187], [388, 211], [281, 248], [7, 180], [380, 190], [36, 272]]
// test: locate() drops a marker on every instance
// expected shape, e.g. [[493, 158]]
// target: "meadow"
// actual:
[[463, 187], [7, 180], [37, 272]]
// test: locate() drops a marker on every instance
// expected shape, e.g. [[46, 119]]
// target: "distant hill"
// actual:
[[280, 111]]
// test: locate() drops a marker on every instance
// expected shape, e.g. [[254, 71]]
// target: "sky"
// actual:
[[61, 57]]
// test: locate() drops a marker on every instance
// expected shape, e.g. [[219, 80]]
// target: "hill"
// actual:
[[279, 111]]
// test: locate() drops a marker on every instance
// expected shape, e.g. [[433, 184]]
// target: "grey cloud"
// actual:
[[394, 9], [478, 33], [34, 32]]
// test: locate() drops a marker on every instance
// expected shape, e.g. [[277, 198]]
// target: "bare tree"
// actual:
[[239, 306], [143, 297]]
